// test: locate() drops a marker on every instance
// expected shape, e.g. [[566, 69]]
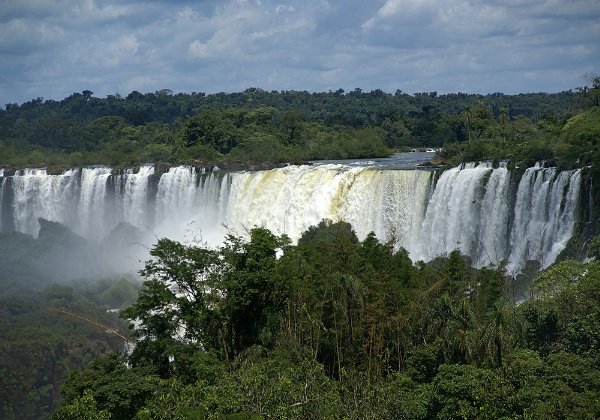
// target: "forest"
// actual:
[[330, 327], [339, 328], [291, 126]]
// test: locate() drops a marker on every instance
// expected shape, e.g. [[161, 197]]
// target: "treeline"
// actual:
[[257, 125], [338, 328]]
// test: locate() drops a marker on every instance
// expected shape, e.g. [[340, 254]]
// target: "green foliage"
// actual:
[[327, 231], [341, 328], [464, 391], [84, 408], [42, 333], [478, 119], [273, 384], [225, 298], [401, 398], [565, 138], [214, 128], [566, 387], [253, 293], [255, 125], [262, 147], [584, 127], [119, 294], [594, 248], [263, 134], [116, 388], [157, 153], [534, 151], [40, 343]]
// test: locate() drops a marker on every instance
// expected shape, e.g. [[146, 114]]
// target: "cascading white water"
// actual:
[[468, 212], [475, 208], [134, 199], [544, 215], [37, 194], [389, 203], [289, 200], [176, 193], [190, 206], [494, 214], [92, 199], [2, 180]]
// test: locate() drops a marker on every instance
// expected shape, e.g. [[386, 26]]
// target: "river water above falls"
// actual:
[[485, 212]]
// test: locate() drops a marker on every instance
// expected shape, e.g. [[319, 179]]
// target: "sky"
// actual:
[[52, 48]]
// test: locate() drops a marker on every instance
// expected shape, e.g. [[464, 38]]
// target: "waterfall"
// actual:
[[2, 182], [37, 194], [483, 211], [189, 204], [176, 193], [468, 211], [92, 199], [289, 200], [544, 215], [134, 199]]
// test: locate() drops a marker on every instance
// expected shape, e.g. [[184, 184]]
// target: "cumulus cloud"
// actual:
[[23, 37], [52, 48], [411, 12], [487, 42], [282, 8]]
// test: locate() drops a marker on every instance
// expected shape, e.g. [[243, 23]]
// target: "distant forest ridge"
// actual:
[[287, 126], [354, 108]]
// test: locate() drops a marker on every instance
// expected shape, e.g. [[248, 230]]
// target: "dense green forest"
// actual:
[[338, 328], [261, 126], [47, 332]]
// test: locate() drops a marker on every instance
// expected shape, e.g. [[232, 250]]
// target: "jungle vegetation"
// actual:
[[339, 328], [292, 126]]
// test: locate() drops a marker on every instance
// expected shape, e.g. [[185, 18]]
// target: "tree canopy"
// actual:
[[341, 328], [261, 126]]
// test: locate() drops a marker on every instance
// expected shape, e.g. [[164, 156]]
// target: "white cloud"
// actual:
[[90, 10], [198, 49], [282, 8], [22, 37], [125, 45], [330, 76], [243, 30], [589, 9], [33, 9], [140, 83], [51, 48], [187, 14], [408, 12]]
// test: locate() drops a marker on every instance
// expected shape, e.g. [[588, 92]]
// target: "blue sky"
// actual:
[[52, 48]]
